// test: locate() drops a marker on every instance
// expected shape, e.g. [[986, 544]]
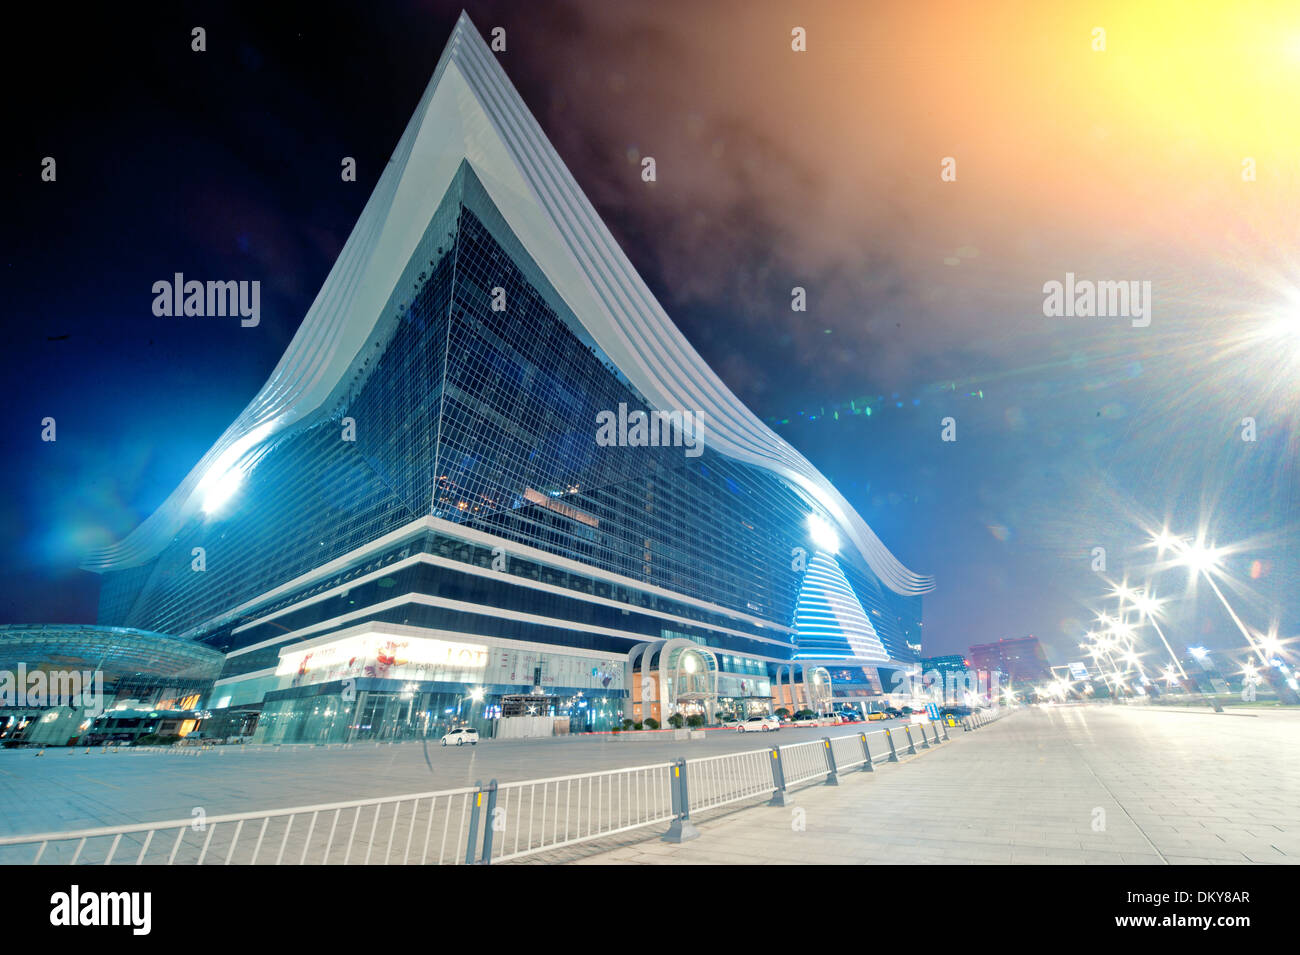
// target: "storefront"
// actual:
[[397, 683]]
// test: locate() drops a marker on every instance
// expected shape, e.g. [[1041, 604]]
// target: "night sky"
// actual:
[[775, 169]]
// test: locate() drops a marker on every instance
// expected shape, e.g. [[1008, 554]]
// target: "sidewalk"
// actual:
[[1096, 784]]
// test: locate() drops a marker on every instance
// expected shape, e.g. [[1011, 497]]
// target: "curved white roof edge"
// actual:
[[470, 111]]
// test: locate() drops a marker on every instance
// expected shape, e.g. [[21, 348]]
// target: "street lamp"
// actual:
[[1271, 644], [1203, 560], [1148, 608]]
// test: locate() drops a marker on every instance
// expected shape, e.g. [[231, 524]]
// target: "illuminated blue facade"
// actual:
[[418, 505]]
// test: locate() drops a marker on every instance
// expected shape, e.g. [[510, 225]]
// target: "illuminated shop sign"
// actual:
[[380, 655]]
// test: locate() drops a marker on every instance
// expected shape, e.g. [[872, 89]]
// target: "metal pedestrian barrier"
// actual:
[[483, 824], [525, 818], [429, 828]]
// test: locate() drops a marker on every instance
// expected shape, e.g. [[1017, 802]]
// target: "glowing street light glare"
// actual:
[[1271, 644], [1199, 558], [1147, 605], [1282, 325], [1164, 541], [1199, 652]]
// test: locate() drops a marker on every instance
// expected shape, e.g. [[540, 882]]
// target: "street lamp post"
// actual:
[[1201, 560]]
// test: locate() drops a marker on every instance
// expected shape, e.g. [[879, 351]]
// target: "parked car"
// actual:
[[461, 736], [759, 724], [199, 738], [876, 716], [806, 719]]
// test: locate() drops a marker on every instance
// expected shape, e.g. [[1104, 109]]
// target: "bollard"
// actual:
[[780, 797], [681, 829], [472, 844], [489, 818], [934, 727], [945, 731], [832, 777], [866, 751], [893, 753], [911, 747], [925, 743]]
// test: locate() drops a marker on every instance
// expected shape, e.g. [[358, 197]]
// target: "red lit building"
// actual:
[[1021, 660]]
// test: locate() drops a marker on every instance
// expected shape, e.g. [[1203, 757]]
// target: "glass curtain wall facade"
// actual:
[[452, 485]]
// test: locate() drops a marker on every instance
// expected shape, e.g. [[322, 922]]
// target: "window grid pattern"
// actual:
[[488, 417]]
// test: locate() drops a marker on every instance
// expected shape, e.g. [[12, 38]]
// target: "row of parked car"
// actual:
[[766, 724]]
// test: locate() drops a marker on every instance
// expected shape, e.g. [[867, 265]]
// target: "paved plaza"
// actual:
[[68, 788], [1078, 784], [1071, 784]]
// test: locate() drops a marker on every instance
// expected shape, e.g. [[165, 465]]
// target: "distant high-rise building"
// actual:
[[950, 663], [1020, 660], [488, 465]]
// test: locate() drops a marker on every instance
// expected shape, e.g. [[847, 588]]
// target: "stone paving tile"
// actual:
[[68, 789], [1024, 791]]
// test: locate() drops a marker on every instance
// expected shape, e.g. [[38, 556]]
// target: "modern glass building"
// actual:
[[488, 467], [84, 668]]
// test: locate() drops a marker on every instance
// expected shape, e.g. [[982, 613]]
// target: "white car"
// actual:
[[758, 724], [459, 737]]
